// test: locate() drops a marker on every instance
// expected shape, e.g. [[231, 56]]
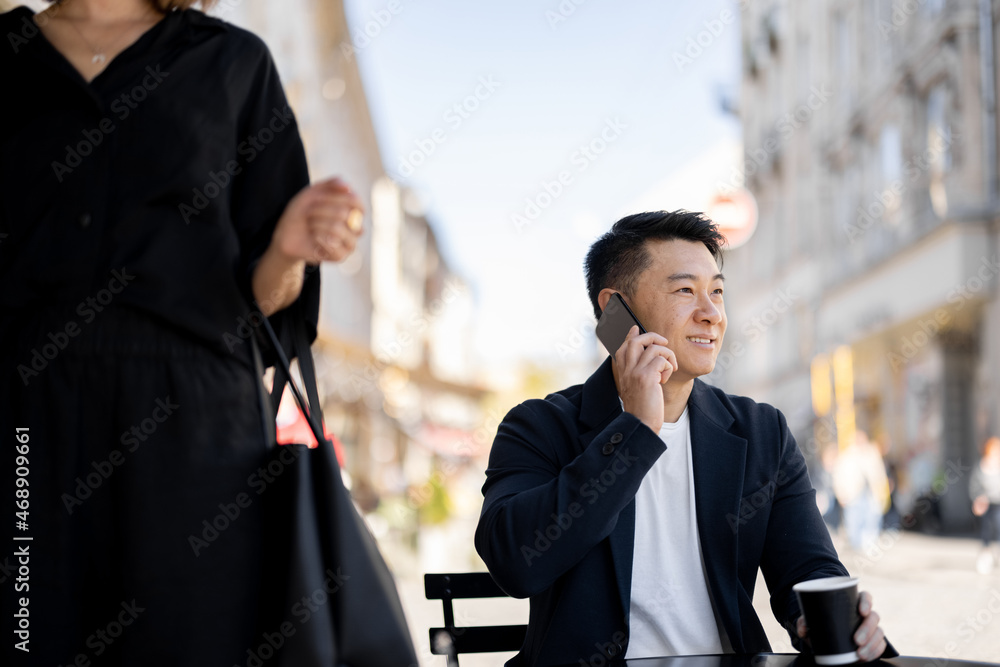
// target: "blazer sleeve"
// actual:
[[546, 508], [797, 545]]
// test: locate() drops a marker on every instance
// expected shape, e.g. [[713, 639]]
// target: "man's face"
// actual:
[[679, 296]]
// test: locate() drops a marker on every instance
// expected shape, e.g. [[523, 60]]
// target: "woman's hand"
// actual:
[[320, 223]]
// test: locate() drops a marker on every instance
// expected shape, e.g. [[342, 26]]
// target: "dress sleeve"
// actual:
[[271, 163]]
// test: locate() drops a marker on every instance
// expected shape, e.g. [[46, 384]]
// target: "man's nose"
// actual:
[[708, 310]]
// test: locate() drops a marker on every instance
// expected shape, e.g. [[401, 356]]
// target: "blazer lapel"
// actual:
[[599, 405], [719, 460]]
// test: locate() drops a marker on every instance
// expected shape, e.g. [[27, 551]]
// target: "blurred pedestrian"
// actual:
[[826, 499], [893, 518], [862, 488], [153, 185], [984, 488]]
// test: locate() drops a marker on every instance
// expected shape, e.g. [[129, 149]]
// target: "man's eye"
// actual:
[[718, 291], [684, 289]]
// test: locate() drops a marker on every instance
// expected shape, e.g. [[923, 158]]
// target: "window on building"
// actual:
[[938, 130], [802, 68], [764, 247], [771, 32], [933, 7], [807, 218], [841, 42], [938, 156], [890, 172], [854, 196], [884, 32], [843, 46], [782, 234], [890, 154], [841, 208]]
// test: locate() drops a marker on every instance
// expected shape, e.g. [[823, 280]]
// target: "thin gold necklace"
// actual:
[[100, 55]]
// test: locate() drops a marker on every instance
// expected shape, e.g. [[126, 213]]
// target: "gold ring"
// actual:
[[354, 219]]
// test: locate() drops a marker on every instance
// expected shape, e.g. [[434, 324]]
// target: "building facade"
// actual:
[[867, 297]]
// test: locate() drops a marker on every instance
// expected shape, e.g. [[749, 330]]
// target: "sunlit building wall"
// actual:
[[871, 148]]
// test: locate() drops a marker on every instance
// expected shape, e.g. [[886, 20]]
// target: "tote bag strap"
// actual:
[[307, 367], [283, 375], [267, 410]]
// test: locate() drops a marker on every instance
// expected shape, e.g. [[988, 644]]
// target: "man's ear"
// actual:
[[604, 297]]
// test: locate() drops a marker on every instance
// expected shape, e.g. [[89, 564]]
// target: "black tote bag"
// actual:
[[330, 600]]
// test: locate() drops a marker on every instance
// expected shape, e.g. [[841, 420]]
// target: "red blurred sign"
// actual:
[[293, 428], [736, 215]]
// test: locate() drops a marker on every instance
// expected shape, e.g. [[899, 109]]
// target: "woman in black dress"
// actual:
[[153, 183]]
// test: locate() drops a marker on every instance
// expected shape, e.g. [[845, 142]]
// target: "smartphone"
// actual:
[[615, 323]]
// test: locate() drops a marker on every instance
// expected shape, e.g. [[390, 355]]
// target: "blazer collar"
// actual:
[[599, 402]]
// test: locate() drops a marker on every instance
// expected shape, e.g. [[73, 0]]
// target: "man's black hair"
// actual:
[[618, 258]]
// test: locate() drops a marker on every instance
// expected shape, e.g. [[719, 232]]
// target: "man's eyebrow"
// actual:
[[690, 276]]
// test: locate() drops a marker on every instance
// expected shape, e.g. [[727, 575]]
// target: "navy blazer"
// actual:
[[558, 519]]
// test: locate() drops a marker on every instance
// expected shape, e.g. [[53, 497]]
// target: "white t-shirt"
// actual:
[[671, 612]]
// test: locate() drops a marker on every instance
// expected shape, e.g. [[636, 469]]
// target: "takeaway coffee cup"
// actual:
[[830, 606]]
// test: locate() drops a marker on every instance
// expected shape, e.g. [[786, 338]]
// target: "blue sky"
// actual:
[[595, 95]]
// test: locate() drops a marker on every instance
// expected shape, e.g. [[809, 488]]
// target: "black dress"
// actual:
[[132, 211]]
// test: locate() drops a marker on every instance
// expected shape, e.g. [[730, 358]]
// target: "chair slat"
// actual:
[[461, 585], [483, 638], [476, 639]]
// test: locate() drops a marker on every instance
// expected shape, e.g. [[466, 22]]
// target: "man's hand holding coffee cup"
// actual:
[[869, 636]]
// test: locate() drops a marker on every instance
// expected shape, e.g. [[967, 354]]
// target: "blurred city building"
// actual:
[[867, 296], [393, 354]]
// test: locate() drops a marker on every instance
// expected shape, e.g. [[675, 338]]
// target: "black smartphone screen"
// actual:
[[615, 322]]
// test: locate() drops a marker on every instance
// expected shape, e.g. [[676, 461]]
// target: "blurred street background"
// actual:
[[848, 147]]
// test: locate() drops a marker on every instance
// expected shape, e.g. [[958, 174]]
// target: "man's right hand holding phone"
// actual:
[[642, 365]]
